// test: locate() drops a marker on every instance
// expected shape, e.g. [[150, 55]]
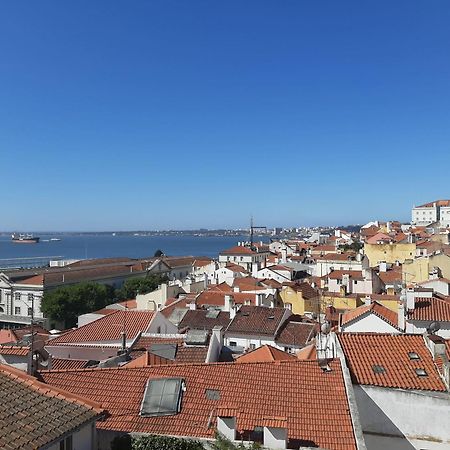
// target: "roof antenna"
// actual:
[[124, 333]]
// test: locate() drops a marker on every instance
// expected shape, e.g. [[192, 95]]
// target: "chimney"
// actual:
[[255, 269], [410, 299], [164, 293], [192, 306], [283, 255], [367, 300], [401, 316], [383, 266], [259, 299], [124, 341], [276, 437], [228, 303], [436, 345], [236, 289]]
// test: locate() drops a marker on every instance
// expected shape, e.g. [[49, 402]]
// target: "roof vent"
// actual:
[[421, 372], [413, 355], [378, 369], [162, 397], [271, 317], [212, 394]]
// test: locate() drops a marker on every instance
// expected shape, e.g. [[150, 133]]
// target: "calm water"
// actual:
[[104, 246]]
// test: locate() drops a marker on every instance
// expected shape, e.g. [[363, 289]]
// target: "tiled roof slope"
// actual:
[[108, 328], [238, 250], [61, 363], [14, 350], [364, 351], [33, 414], [376, 308], [296, 334], [271, 393], [431, 309], [198, 319], [265, 353], [256, 320]]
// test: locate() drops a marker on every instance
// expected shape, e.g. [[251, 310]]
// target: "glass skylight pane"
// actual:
[[161, 397]]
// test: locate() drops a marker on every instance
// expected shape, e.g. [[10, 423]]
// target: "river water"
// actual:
[[106, 245]]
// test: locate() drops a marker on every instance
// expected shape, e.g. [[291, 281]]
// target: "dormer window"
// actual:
[[162, 397]]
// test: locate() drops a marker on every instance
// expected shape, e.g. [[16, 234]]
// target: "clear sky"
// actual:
[[143, 114]]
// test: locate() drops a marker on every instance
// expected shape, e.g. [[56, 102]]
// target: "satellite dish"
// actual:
[[434, 327]]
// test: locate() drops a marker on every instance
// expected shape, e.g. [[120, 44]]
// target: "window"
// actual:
[[413, 355], [30, 311], [421, 373], [233, 344], [378, 369], [66, 444], [17, 310], [162, 397], [30, 298], [17, 296]]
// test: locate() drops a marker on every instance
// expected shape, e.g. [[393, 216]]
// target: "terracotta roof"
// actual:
[[14, 350], [271, 282], [296, 334], [383, 360], [108, 328], [264, 353], [235, 268], [201, 319], [60, 363], [308, 353], [223, 287], [33, 414], [337, 257], [183, 353], [375, 308], [270, 394], [390, 276], [214, 297], [201, 262], [431, 309], [379, 237], [256, 320], [438, 203], [338, 274], [238, 250], [248, 284]]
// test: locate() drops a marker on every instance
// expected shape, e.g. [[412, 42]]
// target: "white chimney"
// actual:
[[410, 299], [275, 437], [401, 316], [367, 300], [383, 266], [228, 303], [192, 306], [283, 255], [255, 268], [236, 289]]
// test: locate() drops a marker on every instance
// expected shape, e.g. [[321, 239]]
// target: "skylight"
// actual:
[[162, 397], [421, 372], [378, 369], [212, 394], [413, 355]]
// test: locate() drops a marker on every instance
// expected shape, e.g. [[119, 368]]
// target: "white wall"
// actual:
[[369, 323], [418, 418], [82, 439], [420, 327]]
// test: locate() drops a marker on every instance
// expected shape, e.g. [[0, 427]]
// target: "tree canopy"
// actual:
[[134, 286], [66, 303]]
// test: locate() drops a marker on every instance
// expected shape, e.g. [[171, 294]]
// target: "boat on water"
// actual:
[[21, 238], [55, 239]]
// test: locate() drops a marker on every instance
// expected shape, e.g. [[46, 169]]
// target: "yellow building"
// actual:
[[418, 270], [341, 301], [300, 298], [389, 252]]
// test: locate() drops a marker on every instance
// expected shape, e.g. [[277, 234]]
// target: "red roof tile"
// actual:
[[338, 274], [14, 350], [256, 320], [264, 353], [108, 328], [238, 250], [387, 354], [431, 309], [270, 396]]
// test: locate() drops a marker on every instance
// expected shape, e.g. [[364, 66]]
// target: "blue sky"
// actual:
[[185, 114]]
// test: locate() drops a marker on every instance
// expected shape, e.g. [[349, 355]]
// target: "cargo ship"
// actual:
[[20, 238]]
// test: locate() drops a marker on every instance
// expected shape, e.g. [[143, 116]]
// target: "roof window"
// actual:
[[421, 372], [162, 397], [413, 355], [378, 369], [212, 394]]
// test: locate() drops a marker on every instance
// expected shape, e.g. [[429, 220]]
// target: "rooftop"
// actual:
[[385, 360], [270, 394], [34, 414], [108, 328], [375, 308]]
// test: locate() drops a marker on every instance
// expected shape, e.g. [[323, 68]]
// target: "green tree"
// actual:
[[145, 285], [65, 304], [154, 442], [158, 253]]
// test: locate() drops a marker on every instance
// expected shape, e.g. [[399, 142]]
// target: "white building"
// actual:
[[427, 213]]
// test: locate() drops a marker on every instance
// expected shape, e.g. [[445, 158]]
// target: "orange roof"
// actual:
[[438, 203], [379, 237], [431, 309], [108, 328], [271, 394], [307, 353], [235, 268], [14, 350], [238, 250], [383, 360], [264, 353], [338, 274], [376, 308], [337, 257]]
